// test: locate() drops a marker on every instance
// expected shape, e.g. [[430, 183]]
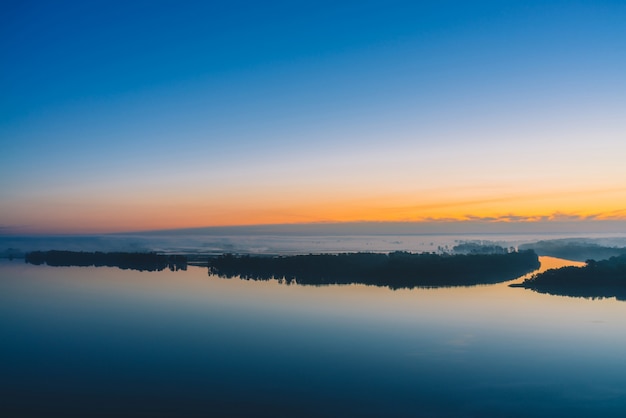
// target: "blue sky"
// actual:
[[206, 113]]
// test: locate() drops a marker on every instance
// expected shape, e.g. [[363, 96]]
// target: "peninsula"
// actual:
[[597, 279]]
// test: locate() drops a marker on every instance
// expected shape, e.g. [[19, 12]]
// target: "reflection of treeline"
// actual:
[[395, 270], [598, 279], [135, 261]]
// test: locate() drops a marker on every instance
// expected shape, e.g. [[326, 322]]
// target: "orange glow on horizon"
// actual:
[[192, 217], [101, 214]]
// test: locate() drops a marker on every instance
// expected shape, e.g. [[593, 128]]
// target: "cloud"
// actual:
[[552, 217], [14, 229]]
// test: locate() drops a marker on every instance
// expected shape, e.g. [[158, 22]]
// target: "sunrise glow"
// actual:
[[490, 112]]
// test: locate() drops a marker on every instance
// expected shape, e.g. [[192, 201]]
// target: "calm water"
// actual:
[[103, 341]]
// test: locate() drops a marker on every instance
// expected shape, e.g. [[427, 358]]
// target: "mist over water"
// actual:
[[280, 243]]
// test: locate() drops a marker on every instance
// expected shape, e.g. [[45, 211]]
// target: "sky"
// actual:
[[128, 116]]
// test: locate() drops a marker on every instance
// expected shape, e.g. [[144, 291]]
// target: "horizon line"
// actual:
[[432, 226]]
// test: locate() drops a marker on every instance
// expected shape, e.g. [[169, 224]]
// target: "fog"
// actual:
[[322, 238]]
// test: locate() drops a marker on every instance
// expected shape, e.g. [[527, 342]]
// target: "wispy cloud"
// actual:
[[514, 218]]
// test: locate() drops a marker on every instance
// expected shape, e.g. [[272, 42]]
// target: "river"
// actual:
[[87, 341]]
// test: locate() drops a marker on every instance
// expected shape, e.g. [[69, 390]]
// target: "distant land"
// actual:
[[597, 279], [318, 237], [579, 249]]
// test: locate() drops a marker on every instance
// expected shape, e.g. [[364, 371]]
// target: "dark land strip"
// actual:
[[597, 279], [394, 270]]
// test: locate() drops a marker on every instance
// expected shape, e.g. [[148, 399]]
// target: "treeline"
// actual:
[[481, 247], [395, 270], [134, 261], [597, 279]]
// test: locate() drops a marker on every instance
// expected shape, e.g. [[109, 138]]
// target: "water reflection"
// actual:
[[102, 341]]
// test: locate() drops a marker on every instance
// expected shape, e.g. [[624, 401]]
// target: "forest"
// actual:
[[394, 270], [135, 261]]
